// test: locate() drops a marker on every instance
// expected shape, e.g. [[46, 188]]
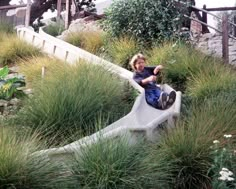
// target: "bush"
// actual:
[[72, 99], [187, 148], [12, 49], [144, 20], [91, 41], [109, 163], [21, 169], [54, 29], [122, 50]]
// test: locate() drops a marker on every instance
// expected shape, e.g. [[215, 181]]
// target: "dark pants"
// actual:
[[152, 96]]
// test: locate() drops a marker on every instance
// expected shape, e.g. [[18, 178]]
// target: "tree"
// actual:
[[40, 6]]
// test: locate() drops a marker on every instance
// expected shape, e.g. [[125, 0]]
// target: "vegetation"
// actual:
[[12, 49], [9, 87], [72, 98], [6, 27], [121, 51], [91, 41], [144, 20], [54, 29], [21, 169], [109, 164]]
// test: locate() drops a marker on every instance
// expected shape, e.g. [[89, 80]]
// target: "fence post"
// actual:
[[204, 19], [225, 39], [58, 10], [68, 14], [27, 15], [234, 30]]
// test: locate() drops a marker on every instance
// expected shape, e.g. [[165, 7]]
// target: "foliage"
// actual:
[[71, 99], [12, 49], [91, 41], [109, 163], [54, 29], [144, 20], [31, 68], [187, 147], [6, 27], [21, 169], [223, 168], [121, 51], [9, 87]]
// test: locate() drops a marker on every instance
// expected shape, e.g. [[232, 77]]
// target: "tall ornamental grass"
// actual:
[[70, 100], [211, 81], [187, 148], [54, 29], [91, 41], [31, 68], [110, 163], [22, 168], [121, 51], [12, 49]]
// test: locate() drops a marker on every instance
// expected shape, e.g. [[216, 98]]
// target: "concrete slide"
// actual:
[[143, 120]]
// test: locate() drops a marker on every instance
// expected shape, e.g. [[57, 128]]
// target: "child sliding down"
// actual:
[[146, 77]]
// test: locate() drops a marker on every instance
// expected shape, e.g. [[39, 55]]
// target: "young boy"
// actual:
[[146, 77]]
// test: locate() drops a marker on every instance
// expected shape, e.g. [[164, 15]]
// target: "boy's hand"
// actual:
[[152, 78], [157, 69]]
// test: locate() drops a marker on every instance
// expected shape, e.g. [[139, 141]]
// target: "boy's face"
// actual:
[[139, 66]]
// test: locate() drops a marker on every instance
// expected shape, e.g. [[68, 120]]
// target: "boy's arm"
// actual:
[[143, 81], [157, 69]]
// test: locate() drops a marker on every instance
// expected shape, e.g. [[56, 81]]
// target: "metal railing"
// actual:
[[224, 20]]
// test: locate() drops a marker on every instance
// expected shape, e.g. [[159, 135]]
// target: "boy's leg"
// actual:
[[156, 98], [171, 99]]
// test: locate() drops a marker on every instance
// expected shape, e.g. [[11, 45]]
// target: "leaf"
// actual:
[[4, 72]]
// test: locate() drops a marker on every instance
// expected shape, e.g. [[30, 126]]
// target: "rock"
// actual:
[[14, 102], [4, 103]]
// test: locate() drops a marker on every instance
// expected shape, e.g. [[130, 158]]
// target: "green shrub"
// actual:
[[54, 29], [71, 100], [110, 163], [12, 49], [91, 41], [122, 50], [9, 87], [21, 169], [144, 20]]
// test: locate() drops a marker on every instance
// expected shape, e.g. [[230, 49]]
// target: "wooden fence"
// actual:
[[10, 18]]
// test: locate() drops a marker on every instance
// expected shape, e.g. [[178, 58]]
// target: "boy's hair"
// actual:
[[135, 59]]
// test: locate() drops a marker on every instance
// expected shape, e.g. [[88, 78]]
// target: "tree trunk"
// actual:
[[39, 7]]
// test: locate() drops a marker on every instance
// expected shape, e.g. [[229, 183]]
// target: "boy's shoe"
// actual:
[[171, 99], [162, 101]]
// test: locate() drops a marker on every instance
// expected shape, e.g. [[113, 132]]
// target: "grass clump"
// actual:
[[31, 68], [71, 99], [121, 51], [91, 41], [109, 163], [6, 27], [21, 169], [187, 148], [12, 49], [54, 29], [211, 81]]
